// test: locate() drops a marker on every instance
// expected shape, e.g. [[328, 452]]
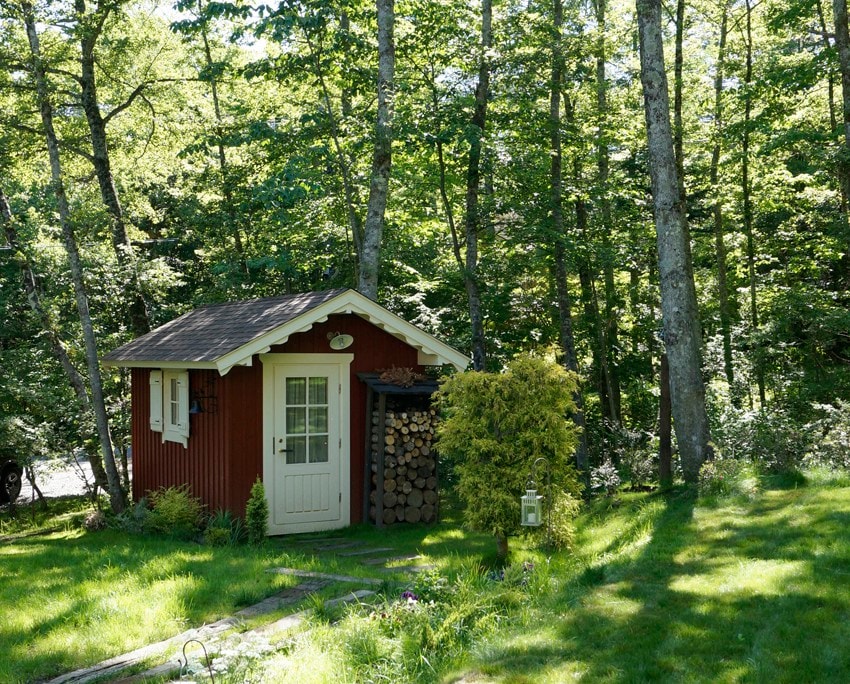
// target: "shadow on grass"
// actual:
[[756, 594]]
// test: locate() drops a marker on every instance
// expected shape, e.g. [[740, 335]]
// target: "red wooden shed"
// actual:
[[270, 388]]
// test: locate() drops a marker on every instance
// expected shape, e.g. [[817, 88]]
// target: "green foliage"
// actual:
[[174, 512], [829, 437], [257, 514], [724, 477], [224, 529], [495, 425], [604, 479], [134, 519], [565, 508], [774, 439]]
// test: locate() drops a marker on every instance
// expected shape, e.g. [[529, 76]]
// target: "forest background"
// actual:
[[213, 151]]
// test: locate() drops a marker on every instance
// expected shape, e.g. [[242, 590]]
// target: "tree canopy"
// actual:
[[226, 150]]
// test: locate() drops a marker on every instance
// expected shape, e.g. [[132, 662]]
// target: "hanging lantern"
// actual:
[[532, 508]]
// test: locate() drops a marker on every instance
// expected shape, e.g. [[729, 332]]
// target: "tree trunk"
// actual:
[[747, 199], [678, 126], [565, 317], [473, 185], [228, 205], [90, 29], [49, 329], [590, 303], [611, 327], [682, 337], [350, 195], [665, 436], [373, 228], [830, 72], [719, 240], [116, 493], [842, 42]]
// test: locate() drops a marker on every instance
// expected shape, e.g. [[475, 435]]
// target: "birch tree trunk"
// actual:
[[90, 27], [373, 227], [116, 492], [682, 337]]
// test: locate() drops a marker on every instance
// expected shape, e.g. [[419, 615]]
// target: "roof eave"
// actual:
[[431, 350], [153, 363]]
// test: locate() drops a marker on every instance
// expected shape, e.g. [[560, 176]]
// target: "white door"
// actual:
[[304, 471]]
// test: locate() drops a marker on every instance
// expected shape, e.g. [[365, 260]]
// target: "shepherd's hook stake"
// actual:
[[184, 663]]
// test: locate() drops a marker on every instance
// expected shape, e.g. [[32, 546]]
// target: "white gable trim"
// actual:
[[431, 350]]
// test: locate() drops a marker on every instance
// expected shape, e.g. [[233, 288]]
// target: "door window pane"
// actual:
[[318, 390], [307, 415], [318, 419], [296, 391], [319, 449], [296, 420], [297, 450]]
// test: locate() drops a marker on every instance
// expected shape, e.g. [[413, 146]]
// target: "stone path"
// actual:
[[372, 557], [218, 635], [114, 666]]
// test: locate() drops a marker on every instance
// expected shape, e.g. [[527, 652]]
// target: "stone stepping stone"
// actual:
[[206, 633], [175, 664], [324, 575], [340, 545], [391, 559], [319, 540], [284, 598], [408, 568], [366, 552]]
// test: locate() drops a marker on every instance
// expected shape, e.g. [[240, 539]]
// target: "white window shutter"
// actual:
[[156, 400], [183, 403]]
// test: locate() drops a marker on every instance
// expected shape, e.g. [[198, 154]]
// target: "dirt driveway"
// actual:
[[58, 477]]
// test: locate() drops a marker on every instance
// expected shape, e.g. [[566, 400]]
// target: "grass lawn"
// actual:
[[71, 598], [672, 590], [659, 588]]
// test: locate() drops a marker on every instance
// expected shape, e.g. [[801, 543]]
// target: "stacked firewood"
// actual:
[[406, 490]]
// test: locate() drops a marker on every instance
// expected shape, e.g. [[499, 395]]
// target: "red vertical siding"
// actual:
[[202, 464], [245, 433], [224, 454]]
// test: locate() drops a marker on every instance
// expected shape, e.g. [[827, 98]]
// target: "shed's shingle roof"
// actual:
[[210, 332]]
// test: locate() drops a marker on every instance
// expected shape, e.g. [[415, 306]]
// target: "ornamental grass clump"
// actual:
[[727, 477], [224, 529]]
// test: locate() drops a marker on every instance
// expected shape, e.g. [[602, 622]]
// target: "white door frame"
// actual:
[[343, 363]]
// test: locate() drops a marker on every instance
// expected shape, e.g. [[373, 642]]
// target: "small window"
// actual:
[[169, 405]]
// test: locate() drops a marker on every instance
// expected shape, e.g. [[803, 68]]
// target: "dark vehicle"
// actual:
[[10, 480]]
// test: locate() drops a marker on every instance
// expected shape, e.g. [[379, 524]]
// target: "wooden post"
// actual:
[[379, 485], [367, 452]]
